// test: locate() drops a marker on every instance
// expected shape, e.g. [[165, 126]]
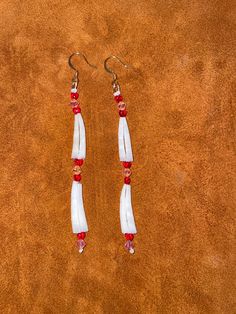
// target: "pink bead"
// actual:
[[76, 110], [129, 246], [118, 98], [121, 105], [74, 95], [127, 172], [81, 245], [77, 170], [74, 103], [123, 113]]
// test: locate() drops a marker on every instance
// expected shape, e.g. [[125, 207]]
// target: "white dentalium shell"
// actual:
[[79, 141], [78, 218], [124, 142], [126, 211]]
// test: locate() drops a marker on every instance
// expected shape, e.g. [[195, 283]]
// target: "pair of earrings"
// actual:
[[78, 217]]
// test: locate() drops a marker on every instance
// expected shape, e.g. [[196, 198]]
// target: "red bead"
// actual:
[[74, 95], [76, 110], [123, 113], [78, 162], [77, 177], [127, 164], [129, 236], [127, 180], [118, 98], [81, 235]]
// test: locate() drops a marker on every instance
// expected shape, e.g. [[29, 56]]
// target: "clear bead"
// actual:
[[77, 170], [121, 105], [81, 245], [74, 103], [127, 172], [130, 246]]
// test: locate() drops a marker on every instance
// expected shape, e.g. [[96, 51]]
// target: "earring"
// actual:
[[127, 222], [78, 218]]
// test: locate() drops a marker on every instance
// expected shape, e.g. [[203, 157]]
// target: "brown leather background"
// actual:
[[181, 118]]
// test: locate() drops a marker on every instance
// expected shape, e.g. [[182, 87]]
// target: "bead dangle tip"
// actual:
[[129, 245], [80, 241], [81, 245]]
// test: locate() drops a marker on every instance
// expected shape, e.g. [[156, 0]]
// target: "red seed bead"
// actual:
[[118, 98], [81, 235], [76, 110], [74, 95], [127, 164], [77, 177], [129, 236], [78, 162], [127, 180], [123, 113]]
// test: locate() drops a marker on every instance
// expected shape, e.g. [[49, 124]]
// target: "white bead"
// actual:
[[131, 251], [74, 90], [117, 93]]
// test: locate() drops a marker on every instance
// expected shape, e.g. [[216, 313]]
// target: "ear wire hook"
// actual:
[[115, 83], [75, 79]]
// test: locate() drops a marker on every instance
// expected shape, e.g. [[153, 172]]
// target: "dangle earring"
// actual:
[[78, 218], [127, 222]]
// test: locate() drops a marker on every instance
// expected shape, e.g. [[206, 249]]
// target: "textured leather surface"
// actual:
[[181, 118]]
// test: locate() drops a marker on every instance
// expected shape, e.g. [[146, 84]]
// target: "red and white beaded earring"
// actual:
[[127, 222], [78, 217]]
